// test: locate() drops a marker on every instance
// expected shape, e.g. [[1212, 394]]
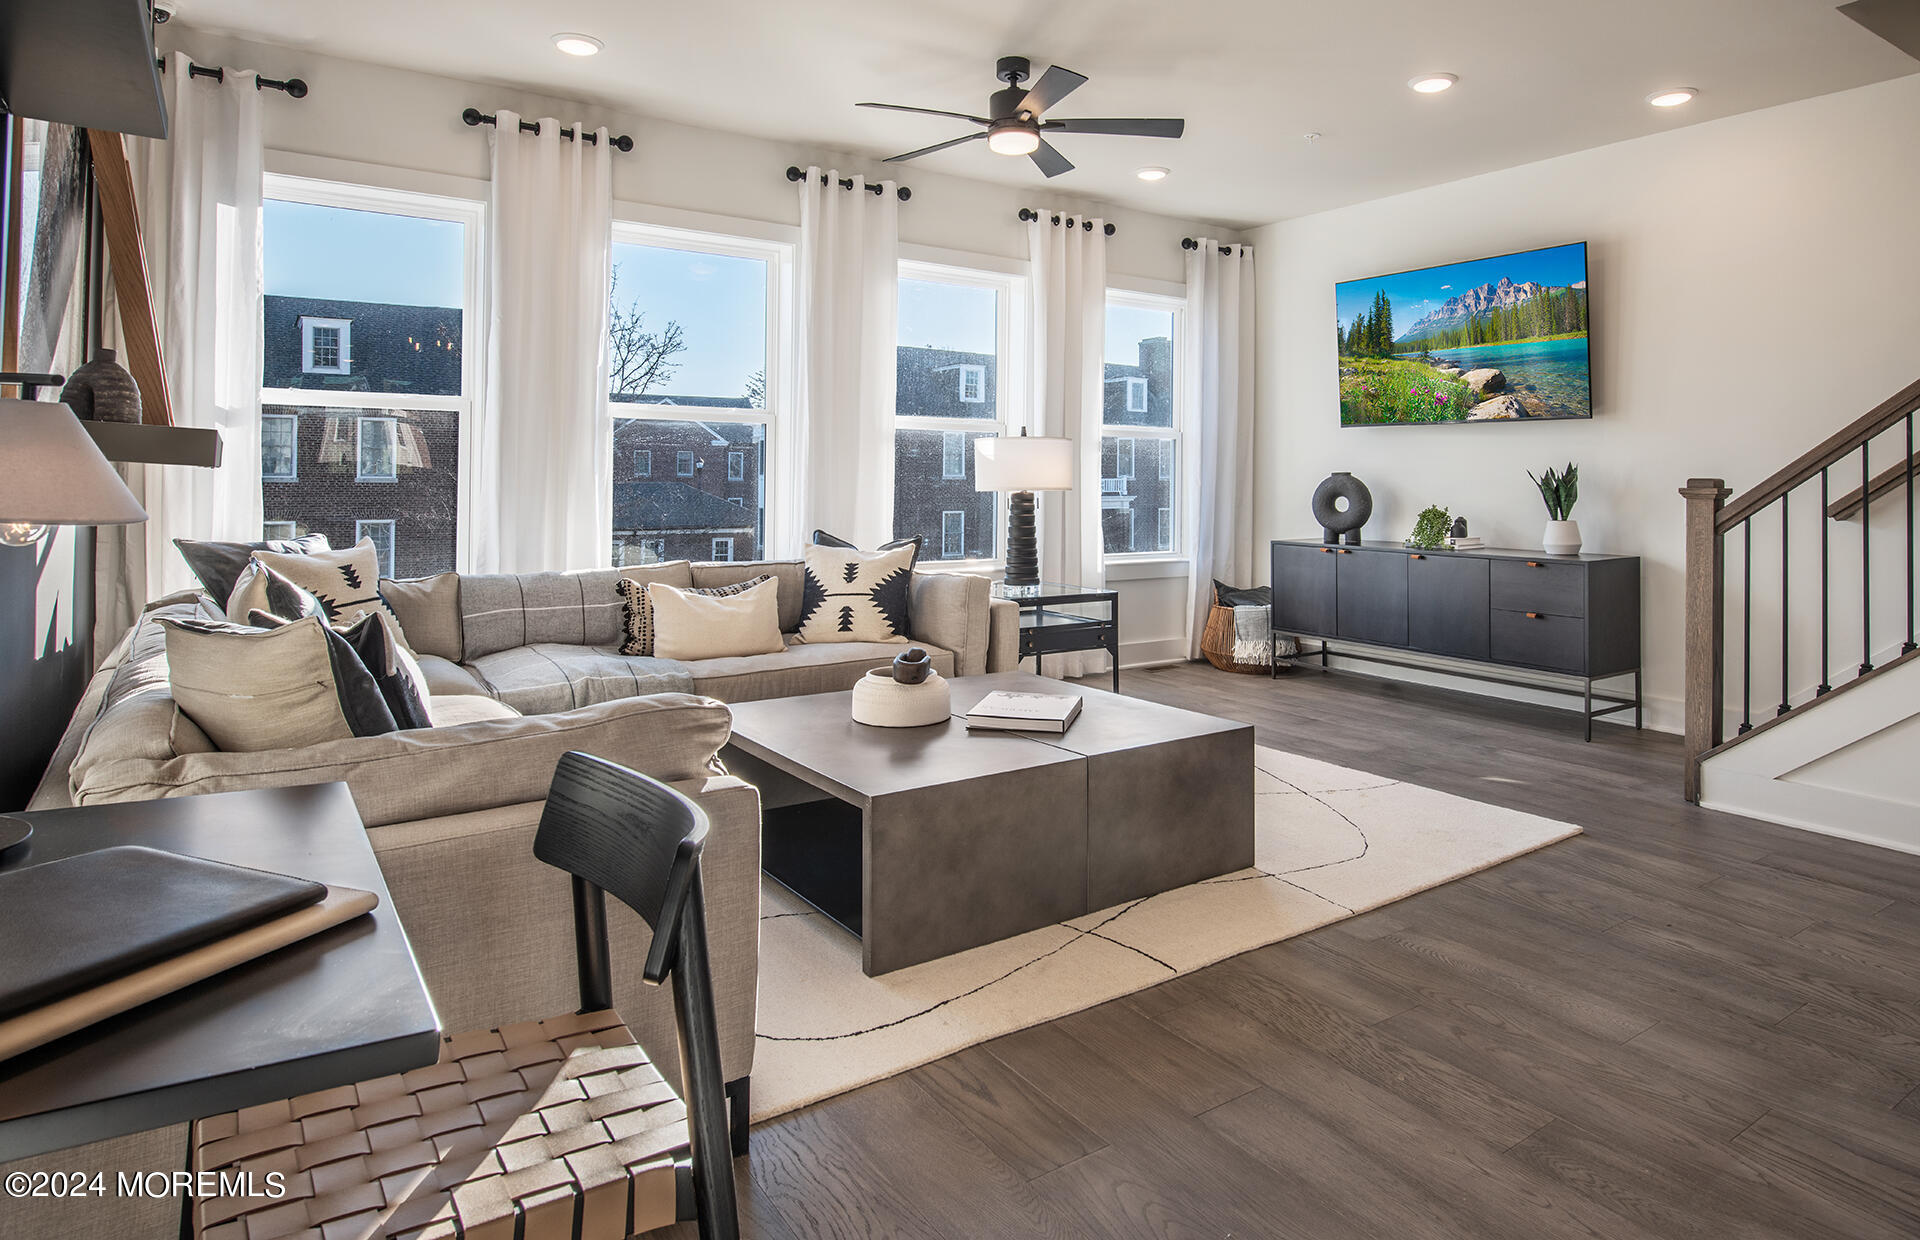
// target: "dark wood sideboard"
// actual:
[[1508, 611]]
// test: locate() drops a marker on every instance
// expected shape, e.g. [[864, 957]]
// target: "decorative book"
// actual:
[[1001, 711]]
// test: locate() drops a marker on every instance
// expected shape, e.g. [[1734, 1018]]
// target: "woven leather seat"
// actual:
[[523, 1119]]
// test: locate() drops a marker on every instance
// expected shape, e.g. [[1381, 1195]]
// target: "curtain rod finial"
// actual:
[[473, 116]]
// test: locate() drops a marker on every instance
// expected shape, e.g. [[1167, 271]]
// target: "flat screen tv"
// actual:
[[1493, 340]]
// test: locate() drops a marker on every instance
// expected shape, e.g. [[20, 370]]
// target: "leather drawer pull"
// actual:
[[1417, 557], [1534, 615], [1328, 550], [1535, 564]]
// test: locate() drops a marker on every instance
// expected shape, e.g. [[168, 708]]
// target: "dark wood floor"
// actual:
[[1679, 1024]]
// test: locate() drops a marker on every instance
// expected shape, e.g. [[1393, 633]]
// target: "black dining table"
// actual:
[[346, 1005]]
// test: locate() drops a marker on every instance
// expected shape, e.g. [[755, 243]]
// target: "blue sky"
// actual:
[[1415, 293]]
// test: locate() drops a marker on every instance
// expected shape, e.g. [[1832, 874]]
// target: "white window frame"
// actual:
[[777, 462], [361, 529], [961, 554], [294, 456], [736, 465], [471, 213], [719, 545], [685, 463], [271, 530], [974, 379], [643, 456], [344, 366], [1158, 439], [360, 473], [1139, 385], [1010, 310]]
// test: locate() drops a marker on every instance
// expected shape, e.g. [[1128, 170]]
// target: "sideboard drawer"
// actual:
[[1540, 639], [1540, 585]]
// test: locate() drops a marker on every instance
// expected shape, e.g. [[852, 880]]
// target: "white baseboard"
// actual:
[[1153, 653]]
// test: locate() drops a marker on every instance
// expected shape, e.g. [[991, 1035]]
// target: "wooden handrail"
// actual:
[[1848, 506], [1833, 449]]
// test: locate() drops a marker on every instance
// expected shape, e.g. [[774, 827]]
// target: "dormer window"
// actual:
[[326, 346], [1136, 395], [973, 384]]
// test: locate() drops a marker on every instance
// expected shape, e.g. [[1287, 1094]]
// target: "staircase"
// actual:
[[1800, 601]]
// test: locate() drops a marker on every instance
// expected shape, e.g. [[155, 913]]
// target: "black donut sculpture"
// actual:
[[1333, 521]]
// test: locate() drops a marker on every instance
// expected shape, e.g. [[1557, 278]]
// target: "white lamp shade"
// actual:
[[1022, 463], [51, 473]]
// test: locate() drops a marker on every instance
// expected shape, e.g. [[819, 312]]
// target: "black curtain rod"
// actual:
[[799, 174], [1028, 215], [474, 116], [296, 88], [1188, 243]]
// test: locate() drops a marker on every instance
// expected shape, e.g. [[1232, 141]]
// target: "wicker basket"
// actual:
[[1216, 642]]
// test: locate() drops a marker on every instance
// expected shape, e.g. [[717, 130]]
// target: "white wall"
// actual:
[[404, 129], [1755, 285]]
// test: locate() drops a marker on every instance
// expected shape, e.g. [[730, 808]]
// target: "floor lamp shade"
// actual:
[[1021, 465], [52, 473]]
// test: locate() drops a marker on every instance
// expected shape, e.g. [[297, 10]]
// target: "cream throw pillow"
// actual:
[[688, 624], [254, 689], [347, 583]]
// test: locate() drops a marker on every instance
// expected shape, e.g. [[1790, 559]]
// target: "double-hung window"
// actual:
[[695, 347], [1140, 441], [366, 374], [952, 388]]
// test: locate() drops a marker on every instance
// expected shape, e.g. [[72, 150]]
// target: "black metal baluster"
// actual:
[[1866, 562], [1786, 605], [1746, 626], [1826, 653], [1909, 647]]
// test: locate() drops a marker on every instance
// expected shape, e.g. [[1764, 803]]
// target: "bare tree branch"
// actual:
[[638, 360]]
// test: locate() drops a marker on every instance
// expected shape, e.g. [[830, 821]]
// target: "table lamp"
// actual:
[[51, 473], [1021, 465]]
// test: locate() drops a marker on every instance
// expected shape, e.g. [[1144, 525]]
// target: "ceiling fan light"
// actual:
[[1013, 140], [1672, 97], [1433, 83], [577, 44]]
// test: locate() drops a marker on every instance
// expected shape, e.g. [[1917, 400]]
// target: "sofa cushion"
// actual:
[[499, 611], [550, 676], [804, 667], [429, 611], [457, 708], [445, 678], [791, 575]]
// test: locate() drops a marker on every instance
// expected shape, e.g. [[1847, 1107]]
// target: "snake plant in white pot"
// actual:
[[1562, 536]]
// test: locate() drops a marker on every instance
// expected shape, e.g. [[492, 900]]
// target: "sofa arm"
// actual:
[[1003, 636], [949, 610], [430, 772], [492, 926]]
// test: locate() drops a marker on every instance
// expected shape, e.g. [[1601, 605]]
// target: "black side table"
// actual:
[[1046, 629]]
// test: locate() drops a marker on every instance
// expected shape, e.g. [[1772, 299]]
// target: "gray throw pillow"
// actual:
[[402, 685]]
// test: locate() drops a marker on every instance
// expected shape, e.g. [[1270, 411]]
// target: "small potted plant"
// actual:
[[1562, 536], [1430, 529]]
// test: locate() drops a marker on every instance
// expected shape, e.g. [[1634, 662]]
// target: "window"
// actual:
[[954, 339], [1140, 442], [279, 447], [278, 529], [381, 532], [694, 377], [953, 535], [642, 463], [325, 346], [365, 391], [375, 449]]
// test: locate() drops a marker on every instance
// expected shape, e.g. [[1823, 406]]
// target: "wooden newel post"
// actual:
[[1705, 622]]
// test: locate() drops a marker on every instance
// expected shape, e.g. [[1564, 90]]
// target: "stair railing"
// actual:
[[1711, 518]]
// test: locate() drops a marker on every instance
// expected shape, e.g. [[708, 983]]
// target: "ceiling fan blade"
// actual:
[[938, 146], [1136, 127], [1054, 85], [1051, 161], [901, 107]]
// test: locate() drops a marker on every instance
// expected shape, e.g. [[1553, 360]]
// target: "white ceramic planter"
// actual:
[[1561, 538], [883, 702]]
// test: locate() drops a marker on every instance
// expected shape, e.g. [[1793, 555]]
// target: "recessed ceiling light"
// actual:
[[1672, 97], [577, 44], [1433, 83], [1152, 174]]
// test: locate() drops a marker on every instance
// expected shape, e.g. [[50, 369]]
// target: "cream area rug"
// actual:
[[1330, 843]]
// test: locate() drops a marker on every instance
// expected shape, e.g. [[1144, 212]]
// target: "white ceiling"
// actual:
[[1537, 77]]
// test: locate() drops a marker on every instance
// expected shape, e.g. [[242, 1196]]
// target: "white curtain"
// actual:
[[1219, 356], [842, 428], [1069, 317], [542, 494]]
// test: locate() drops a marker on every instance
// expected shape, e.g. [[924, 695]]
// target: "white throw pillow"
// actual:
[[856, 596], [688, 624], [347, 583]]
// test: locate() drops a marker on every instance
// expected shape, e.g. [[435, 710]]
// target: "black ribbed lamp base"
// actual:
[[1023, 550]]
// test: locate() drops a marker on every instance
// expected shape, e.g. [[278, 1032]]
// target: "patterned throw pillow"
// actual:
[[346, 582], [855, 596], [637, 616]]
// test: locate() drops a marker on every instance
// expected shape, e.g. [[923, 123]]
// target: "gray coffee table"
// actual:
[[928, 841]]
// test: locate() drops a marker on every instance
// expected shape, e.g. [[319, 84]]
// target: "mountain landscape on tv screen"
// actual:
[[1498, 339]]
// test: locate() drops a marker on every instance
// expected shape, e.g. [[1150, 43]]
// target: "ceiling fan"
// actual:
[[1015, 123]]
